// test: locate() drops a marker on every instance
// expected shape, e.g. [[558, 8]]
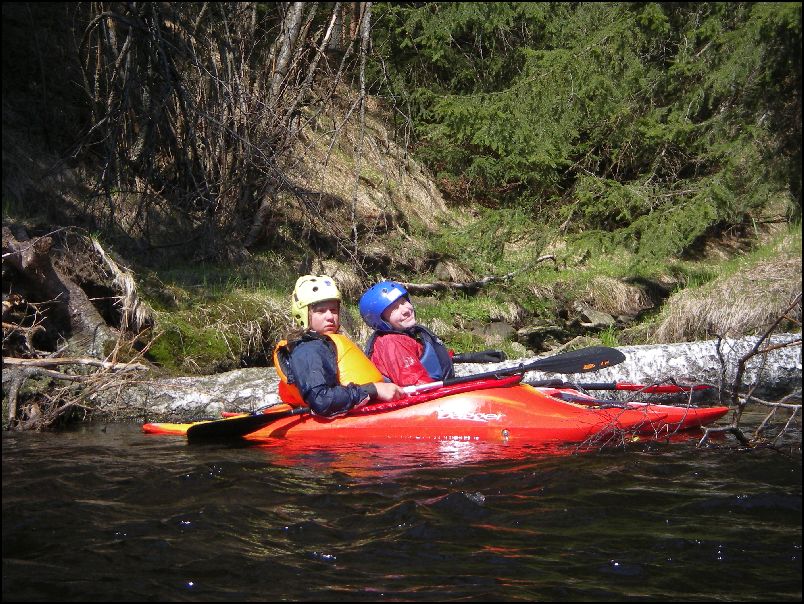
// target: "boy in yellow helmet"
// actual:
[[320, 367]]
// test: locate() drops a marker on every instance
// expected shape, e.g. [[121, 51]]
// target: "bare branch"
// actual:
[[417, 288], [740, 400], [73, 361]]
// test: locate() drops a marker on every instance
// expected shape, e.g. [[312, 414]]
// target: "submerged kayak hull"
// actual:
[[518, 413]]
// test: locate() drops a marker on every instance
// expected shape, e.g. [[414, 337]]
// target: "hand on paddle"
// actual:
[[387, 391]]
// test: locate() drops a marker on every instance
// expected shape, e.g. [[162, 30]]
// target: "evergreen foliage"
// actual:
[[650, 123]]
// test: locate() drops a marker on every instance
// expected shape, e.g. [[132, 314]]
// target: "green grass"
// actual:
[[185, 347], [610, 337], [269, 271], [210, 313], [787, 241], [457, 308]]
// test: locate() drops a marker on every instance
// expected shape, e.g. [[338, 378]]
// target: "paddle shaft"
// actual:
[[577, 361], [235, 427], [649, 388]]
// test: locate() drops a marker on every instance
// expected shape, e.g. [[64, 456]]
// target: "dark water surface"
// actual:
[[106, 513]]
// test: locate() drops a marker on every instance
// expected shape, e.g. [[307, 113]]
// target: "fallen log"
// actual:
[[190, 398], [714, 362]]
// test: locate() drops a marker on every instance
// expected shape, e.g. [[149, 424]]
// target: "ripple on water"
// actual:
[[120, 516]]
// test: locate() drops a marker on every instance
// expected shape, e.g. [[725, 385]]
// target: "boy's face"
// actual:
[[325, 317], [400, 315]]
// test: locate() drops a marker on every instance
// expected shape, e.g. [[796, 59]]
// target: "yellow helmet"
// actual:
[[310, 289]]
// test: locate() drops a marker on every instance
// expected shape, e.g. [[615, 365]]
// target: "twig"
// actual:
[[471, 285], [73, 361], [738, 379], [738, 434]]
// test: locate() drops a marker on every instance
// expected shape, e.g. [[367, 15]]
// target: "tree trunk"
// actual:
[[290, 31], [89, 333]]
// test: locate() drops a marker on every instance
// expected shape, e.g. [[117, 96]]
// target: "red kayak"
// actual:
[[483, 410]]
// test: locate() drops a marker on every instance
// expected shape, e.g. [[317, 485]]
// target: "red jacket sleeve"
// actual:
[[397, 357]]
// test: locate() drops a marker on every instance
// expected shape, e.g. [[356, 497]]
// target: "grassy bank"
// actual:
[[212, 317]]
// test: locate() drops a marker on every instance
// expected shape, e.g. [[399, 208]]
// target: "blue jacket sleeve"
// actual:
[[315, 373]]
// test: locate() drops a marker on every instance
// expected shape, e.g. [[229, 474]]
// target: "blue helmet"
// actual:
[[376, 299]]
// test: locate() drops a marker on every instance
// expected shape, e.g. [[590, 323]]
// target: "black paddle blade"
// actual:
[[577, 361], [236, 427], [580, 361]]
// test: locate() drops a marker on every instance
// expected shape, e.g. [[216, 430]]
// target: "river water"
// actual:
[[106, 513]]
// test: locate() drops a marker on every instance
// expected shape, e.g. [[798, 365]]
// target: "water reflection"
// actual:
[[398, 457], [118, 515]]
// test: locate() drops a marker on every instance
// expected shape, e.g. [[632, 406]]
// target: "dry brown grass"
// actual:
[[615, 297], [136, 313], [745, 303], [362, 166], [511, 312]]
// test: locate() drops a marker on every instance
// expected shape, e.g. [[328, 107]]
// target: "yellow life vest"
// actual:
[[354, 367]]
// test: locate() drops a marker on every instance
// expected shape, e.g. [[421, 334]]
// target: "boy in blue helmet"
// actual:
[[404, 351]]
